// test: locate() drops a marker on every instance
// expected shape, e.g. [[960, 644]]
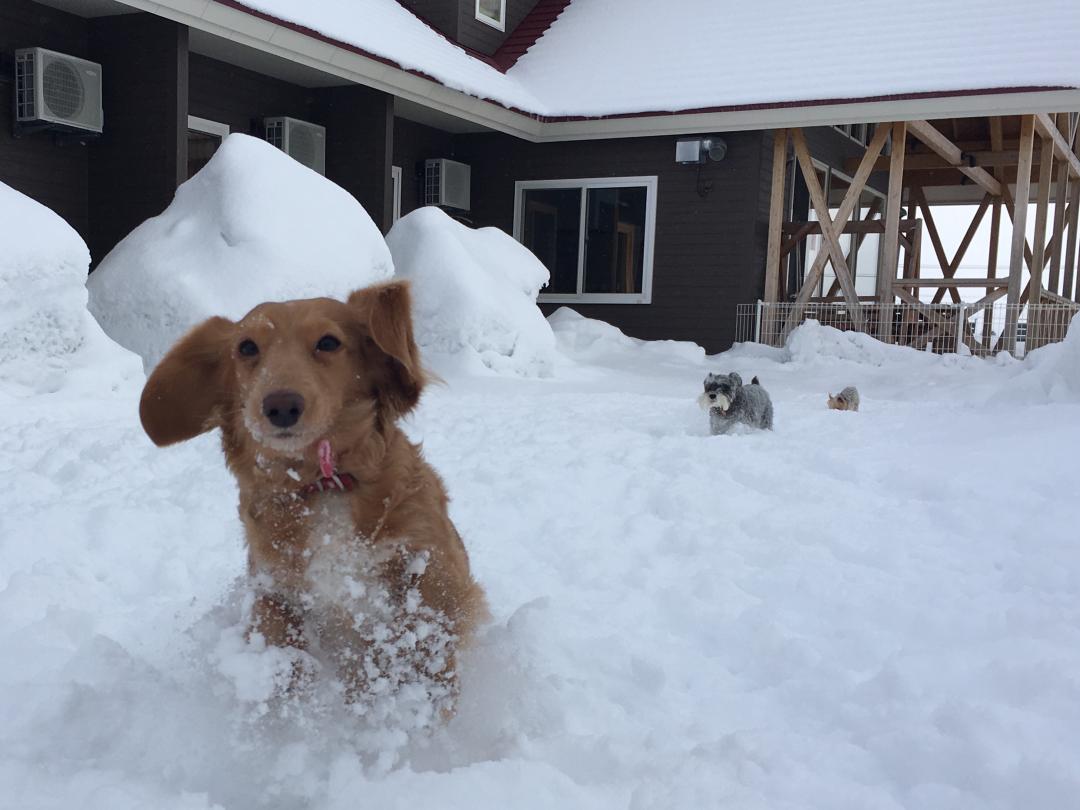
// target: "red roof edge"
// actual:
[[530, 29]]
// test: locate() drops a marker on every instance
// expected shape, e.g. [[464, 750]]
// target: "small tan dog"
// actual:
[[337, 504], [846, 400]]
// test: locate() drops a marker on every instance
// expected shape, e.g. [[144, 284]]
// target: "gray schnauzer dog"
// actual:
[[729, 403]]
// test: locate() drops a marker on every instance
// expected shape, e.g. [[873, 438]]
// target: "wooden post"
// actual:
[[991, 267], [1019, 233], [1038, 257], [996, 145], [776, 221], [891, 252], [1061, 192], [1069, 290], [776, 216]]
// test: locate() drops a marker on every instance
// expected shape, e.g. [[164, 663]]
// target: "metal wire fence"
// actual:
[[979, 329]]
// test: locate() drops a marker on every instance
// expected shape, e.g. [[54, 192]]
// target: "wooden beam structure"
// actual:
[[831, 227], [926, 133], [1061, 148], [980, 161]]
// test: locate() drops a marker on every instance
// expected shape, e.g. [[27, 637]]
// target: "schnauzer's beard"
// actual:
[[721, 403]]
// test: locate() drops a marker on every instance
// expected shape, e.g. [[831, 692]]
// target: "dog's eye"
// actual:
[[327, 343], [248, 348]]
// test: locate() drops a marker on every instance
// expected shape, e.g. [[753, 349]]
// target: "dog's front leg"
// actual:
[[281, 624], [278, 621]]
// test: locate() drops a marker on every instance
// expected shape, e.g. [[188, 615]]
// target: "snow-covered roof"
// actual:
[[626, 57], [603, 57], [386, 30]]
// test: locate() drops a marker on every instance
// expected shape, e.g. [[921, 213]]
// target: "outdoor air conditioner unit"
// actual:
[[447, 182], [57, 89], [300, 140]]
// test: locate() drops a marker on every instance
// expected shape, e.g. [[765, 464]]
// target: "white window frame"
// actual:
[[395, 179], [205, 125], [649, 182], [499, 24]]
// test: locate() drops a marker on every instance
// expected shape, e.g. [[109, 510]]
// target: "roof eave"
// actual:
[[915, 106]]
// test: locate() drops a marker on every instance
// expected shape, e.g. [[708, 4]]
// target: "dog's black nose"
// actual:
[[283, 408], [712, 396]]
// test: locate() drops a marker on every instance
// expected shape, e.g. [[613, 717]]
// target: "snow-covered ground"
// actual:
[[856, 610]]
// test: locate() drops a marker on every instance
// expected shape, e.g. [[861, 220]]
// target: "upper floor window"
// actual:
[[492, 12]]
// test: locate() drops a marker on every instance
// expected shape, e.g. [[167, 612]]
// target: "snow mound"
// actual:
[[253, 225], [1050, 373], [46, 333], [812, 342], [474, 291], [588, 339]]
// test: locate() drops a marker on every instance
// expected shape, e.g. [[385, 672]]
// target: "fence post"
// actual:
[[959, 326], [757, 322]]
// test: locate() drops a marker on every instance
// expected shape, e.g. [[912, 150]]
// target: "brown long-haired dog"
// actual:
[[335, 500]]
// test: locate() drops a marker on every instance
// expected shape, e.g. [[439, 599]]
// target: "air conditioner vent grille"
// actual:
[[302, 146], [63, 89], [24, 87], [447, 183]]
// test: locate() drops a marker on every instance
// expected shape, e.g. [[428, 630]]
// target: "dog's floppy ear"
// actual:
[[386, 311], [190, 386], [735, 378]]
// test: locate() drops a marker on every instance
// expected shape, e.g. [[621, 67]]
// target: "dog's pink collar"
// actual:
[[337, 482], [331, 480]]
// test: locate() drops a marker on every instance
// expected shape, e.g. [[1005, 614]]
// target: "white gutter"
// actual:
[[959, 106], [267, 36]]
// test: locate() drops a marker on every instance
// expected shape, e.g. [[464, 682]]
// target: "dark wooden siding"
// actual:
[[142, 155], [413, 144], [456, 19], [440, 14], [242, 98], [53, 173], [707, 255], [486, 38], [359, 125]]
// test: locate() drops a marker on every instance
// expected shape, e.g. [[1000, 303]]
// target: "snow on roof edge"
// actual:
[[536, 110]]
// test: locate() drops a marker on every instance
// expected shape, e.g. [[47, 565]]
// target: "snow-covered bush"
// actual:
[[253, 225], [46, 333], [474, 291]]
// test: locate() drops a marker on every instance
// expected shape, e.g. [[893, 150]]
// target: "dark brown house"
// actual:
[[642, 175]]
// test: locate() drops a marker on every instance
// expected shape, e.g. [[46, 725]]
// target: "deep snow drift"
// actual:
[[253, 225], [474, 292], [856, 610], [48, 340]]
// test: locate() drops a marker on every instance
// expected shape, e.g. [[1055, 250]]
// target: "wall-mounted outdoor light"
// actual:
[[697, 150]]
